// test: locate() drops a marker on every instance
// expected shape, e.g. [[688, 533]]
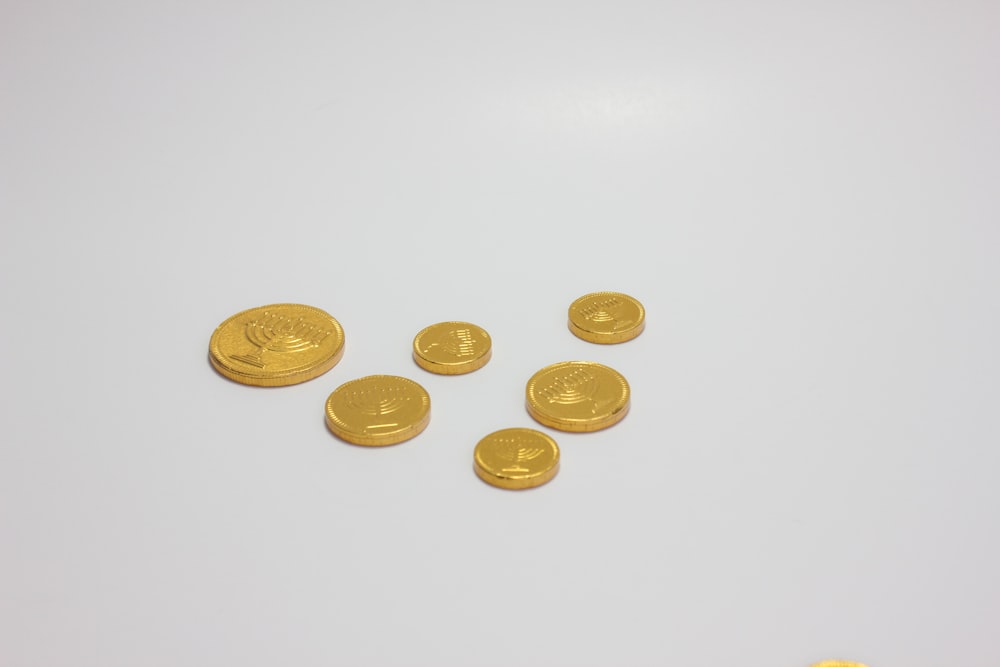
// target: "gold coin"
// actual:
[[838, 663], [577, 396], [452, 348], [516, 458], [378, 410], [276, 345], [606, 317]]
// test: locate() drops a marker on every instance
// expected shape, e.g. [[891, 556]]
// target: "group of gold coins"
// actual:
[[285, 344]]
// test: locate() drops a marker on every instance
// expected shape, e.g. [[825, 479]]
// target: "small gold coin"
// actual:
[[516, 458], [276, 345], [578, 396], [378, 410], [452, 348], [606, 317]]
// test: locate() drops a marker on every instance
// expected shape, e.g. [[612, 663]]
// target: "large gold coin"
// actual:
[[606, 317], [452, 348], [516, 458], [378, 410], [276, 345], [577, 396]]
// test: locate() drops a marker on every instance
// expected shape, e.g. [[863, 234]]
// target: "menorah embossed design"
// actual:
[[606, 310], [378, 401], [276, 333], [455, 342], [576, 386], [513, 450]]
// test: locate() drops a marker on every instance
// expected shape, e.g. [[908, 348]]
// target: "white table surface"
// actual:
[[803, 195]]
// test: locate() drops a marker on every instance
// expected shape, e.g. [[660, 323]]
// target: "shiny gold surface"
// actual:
[[578, 396], [606, 317], [838, 663], [452, 348], [276, 345], [516, 458], [378, 410]]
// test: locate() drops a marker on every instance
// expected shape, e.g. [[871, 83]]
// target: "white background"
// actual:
[[804, 195]]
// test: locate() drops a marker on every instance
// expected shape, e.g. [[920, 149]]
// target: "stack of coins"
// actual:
[[284, 344]]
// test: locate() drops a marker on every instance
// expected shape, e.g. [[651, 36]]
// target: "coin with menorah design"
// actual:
[[378, 410], [578, 396], [516, 458], [276, 345], [452, 348], [606, 317]]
